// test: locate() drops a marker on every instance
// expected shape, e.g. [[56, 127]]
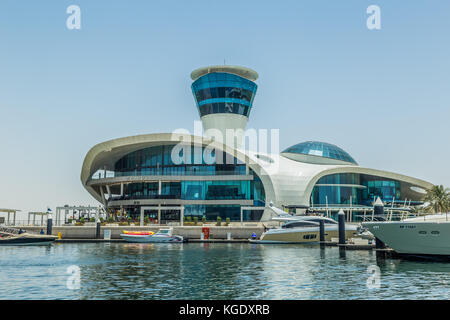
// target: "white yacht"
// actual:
[[305, 230], [302, 229], [427, 235]]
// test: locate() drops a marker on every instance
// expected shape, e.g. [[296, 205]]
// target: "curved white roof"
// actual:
[[243, 72], [286, 182]]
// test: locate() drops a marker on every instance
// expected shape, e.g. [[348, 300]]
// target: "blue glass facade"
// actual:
[[221, 92], [158, 160], [338, 189], [195, 190], [321, 149]]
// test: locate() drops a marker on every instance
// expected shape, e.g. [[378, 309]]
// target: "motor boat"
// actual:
[[14, 237], [163, 235], [426, 235], [305, 230], [138, 233], [302, 229]]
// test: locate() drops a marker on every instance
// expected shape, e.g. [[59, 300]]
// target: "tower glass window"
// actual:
[[221, 92]]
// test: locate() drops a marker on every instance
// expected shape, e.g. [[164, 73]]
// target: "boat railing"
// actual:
[[9, 230], [25, 223], [390, 216]]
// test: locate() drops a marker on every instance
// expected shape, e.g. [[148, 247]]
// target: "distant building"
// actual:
[[139, 172]]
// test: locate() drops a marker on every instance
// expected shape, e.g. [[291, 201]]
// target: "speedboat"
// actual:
[[426, 235], [138, 233], [14, 237], [163, 235], [304, 229]]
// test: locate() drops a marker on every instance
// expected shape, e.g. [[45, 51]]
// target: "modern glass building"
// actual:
[[222, 92], [157, 177]]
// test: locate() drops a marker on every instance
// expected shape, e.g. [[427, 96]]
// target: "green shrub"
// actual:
[[219, 221], [227, 221], [203, 219], [110, 219], [92, 220], [69, 220], [82, 220], [189, 219], [195, 220]]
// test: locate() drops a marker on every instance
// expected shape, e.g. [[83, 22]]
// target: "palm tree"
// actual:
[[439, 199]]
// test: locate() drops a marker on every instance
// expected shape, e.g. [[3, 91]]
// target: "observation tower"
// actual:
[[224, 97]]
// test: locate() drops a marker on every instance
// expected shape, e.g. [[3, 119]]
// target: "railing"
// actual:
[[37, 223], [165, 197], [135, 173], [386, 217]]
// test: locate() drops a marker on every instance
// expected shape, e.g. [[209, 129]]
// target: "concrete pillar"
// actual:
[[142, 217], [14, 221], [121, 189], [28, 218], [181, 215], [34, 218], [242, 217], [108, 189], [102, 193], [42, 219], [159, 214], [7, 222]]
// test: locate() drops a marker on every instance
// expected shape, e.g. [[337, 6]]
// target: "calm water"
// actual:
[[212, 271]]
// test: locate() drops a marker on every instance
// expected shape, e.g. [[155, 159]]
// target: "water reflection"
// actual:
[[213, 271]]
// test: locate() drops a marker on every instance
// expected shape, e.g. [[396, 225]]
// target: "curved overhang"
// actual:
[[243, 72], [313, 159], [373, 172], [104, 155]]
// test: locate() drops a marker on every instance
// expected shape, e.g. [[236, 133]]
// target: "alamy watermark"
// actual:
[[250, 146], [74, 279], [74, 20], [374, 20], [374, 279]]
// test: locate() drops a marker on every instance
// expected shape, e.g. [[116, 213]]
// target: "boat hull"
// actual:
[[26, 241], [151, 239], [303, 235], [414, 238]]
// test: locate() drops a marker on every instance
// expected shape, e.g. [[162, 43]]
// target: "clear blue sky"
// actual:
[[383, 96]]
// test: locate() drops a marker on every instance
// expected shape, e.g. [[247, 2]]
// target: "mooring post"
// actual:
[[378, 207], [341, 226], [322, 230], [49, 224], [379, 244], [97, 231]]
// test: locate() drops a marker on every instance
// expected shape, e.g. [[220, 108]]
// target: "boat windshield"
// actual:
[[299, 224], [164, 231], [326, 221]]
